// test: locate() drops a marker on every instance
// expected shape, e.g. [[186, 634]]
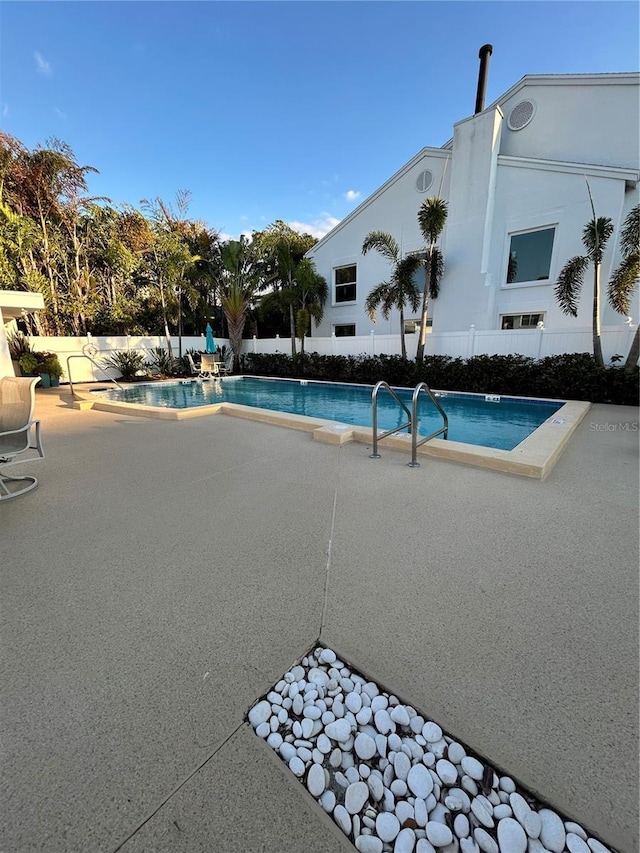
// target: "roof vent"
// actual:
[[521, 115], [424, 181]]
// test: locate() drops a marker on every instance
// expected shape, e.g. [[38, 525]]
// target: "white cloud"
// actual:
[[42, 65], [318, 228], [5, 110], [59, 113], [352, 195]]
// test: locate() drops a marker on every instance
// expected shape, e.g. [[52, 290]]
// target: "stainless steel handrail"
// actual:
[[422, 386], [95, 364], [374, 413]]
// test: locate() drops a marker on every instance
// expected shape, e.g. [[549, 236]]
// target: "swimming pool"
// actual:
[[483, 420]]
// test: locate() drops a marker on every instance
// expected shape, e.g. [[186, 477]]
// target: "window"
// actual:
[[530, 256], [412, 327], [345, 330], [345, 283], [521, 321]]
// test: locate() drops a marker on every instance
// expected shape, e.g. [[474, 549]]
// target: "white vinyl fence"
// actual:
[[537, 343]]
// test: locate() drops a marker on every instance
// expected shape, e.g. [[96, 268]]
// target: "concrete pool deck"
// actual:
[[165, 573]]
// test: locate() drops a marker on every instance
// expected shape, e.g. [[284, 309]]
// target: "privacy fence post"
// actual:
[[472, 335], [333, 343], [540, 336], [373, 342]]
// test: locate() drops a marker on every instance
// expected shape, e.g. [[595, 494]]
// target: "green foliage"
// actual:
[[49, 363], [566, 377], [18, 344], [128, 363], [28, 364], [159, 361]]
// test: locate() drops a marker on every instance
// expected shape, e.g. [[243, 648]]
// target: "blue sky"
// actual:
[[276, 110]]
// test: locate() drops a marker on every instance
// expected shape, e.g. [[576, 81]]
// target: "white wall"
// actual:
[[394, 209], [584, 119], [583, 126]]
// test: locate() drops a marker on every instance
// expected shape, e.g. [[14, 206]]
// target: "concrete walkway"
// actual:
[[164, 575]]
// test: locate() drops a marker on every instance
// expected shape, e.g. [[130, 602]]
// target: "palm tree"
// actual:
[[625, 278], [281, 251], [432, 217], [238, 286], [595, 235], [401, 287], [308, 296]]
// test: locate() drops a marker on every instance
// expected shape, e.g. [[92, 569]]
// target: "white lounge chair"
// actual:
[[209, 367], [192, 365], [17, 402]]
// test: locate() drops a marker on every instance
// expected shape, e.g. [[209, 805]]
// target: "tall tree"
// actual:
[[432, 216], [239, 283], [400, 289], [625, 278], [595, 235], [280, 251]]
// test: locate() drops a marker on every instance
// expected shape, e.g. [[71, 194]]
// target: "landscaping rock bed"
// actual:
[[392, 779]]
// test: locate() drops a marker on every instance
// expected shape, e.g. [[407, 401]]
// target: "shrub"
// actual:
[[127, 362], [50, 364], [575, 376], [28, 364], [161, 362], [19, 344]]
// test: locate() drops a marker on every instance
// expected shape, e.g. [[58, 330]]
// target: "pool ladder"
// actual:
[[95, 364], [411, 424]]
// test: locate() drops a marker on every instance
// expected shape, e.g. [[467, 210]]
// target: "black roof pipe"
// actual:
[[485, 52]]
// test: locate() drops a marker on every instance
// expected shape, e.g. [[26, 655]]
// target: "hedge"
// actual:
[[567, 377]]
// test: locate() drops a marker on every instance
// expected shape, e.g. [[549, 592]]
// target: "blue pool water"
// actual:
[[472, 419]]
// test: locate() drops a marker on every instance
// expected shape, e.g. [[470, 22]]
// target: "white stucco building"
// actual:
[[514, 179]]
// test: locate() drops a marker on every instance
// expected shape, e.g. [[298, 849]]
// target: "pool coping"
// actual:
[[534, 457]]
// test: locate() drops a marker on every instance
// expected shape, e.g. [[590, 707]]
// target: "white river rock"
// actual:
[[552, 834], [368, 844], [401, 765], [472, 767], [405, 841], [446, 771], [340, 730], [431, 732], [511, 836], [575, 844], [438, 833], [316, 780], [400, 715], [328, 801], [356, 796], [296, 765], [420, 781], [387, 826], [485, 841], [342, 818], [365, 746], [260, 713]]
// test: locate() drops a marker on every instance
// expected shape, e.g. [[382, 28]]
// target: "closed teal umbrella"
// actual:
[[211, 344]]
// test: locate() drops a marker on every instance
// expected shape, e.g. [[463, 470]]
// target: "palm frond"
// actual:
[[623, 282], [374, 299], [630, 233], [432, 216], [569, 283], [595, 235], [434, 270], [382, 242]]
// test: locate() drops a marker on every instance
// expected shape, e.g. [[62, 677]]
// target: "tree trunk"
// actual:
[[634, 352], [423, 317], [235, 327], [597, 343], [403, 343], [292, 327]]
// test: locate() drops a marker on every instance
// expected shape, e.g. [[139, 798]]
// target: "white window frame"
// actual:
[[503, 316], [338, 325], [537, 282], [335, 303]]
